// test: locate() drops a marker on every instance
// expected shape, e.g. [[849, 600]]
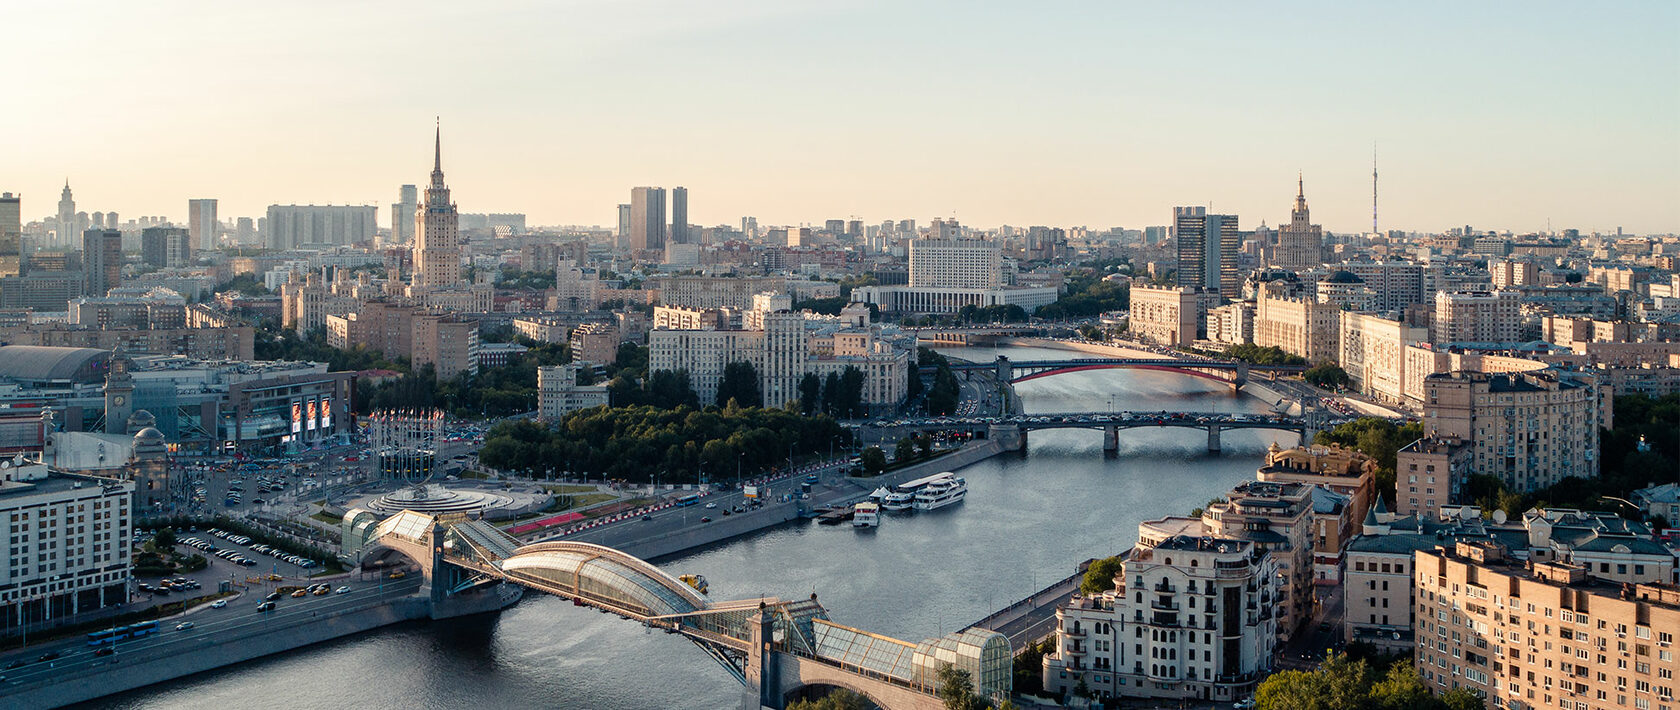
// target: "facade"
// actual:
[[165, 247], [1300, 245], [102, 260], [405, 215], [544, 329], [679, 216], [558, 393], [11, 234], [1349, 479], [45, 292], [1232, 323], [716, 291], [679, 318], [911, 299], [449, 345], [1207, 250], [1429, 474], [202, 225], [300, 226], [1530, 429], [1377, 590], [1277, 518], [1190, 617], [1477, 317], [437, 232], [647, 218], [1286, 317], [1373, 352], [595, 342], [1542, 635], [70, 541], [1168, 316], [956, 263]]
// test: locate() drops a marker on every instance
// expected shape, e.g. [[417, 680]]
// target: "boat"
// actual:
[[697, 581], [880, 494], [866, 515], [940, 493], [898, 500]]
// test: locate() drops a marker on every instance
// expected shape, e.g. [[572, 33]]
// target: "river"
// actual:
[[1027, 521]]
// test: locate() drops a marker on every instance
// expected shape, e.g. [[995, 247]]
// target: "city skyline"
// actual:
[[1089, 115]]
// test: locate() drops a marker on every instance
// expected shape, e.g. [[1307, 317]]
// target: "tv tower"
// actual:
[[1373, 187]]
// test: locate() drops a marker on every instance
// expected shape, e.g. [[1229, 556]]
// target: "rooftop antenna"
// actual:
[[1373, 187]]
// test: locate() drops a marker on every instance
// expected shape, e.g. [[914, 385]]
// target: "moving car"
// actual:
[[342, 590], [218, 604], [183, 626]]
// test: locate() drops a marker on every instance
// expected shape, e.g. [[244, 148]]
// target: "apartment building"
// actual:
[[595, 342], [69, 551], [1276, 517], [1530, 429], [1477, 317], [1349, 479], [558, 393], [1287, 317], [1429, 473], [1190, 617], [1170, 316], [1372, 351]]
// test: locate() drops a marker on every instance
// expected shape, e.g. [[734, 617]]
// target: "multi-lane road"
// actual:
[[211, 627]]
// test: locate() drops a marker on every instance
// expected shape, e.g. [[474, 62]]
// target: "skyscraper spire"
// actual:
[[1301, 197], [437, 148]]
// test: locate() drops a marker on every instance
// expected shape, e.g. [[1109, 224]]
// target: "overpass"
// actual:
[[1235, 372], [778, 649], [1011, 431], [975, 334]]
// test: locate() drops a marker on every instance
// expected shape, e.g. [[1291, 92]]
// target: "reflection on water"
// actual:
[[1026, 522]]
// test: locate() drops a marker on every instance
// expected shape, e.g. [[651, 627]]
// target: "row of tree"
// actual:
[[1258, 355], [643, 443], [1379, 439], [1343, 683], [1088, 295]]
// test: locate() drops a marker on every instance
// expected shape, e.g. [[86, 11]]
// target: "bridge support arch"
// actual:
[[1111, 439], [1009, 437], [1213, 438], [1005, 373]]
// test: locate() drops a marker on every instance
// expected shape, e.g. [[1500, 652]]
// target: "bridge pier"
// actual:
[[1213, 438], [1241, 376], [1005, 373], [1009, 437], [1111, 439]]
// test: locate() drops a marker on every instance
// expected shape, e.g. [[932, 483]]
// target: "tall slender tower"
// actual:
[[437, 234], [66, 218], [1300, 244], [1373, 188]]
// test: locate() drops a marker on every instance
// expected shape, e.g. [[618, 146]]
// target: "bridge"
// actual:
[[974, 334], [1235, 372], [778, 649], [1011, 431]]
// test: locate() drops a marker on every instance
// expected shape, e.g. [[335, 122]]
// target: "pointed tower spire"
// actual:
[[437, 148]]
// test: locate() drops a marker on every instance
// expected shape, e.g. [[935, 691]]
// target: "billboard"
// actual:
[[297, 417], [326, 412], [309, 421], [749, 491]]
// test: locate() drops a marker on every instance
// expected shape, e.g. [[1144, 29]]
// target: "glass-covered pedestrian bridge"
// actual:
[[603, 575]]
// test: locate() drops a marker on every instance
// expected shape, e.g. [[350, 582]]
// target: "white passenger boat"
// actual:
[[940, 493], [898, 500], [866, 515]]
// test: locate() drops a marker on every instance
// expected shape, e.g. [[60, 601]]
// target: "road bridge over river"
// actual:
[[1011, 430], [778, 649]]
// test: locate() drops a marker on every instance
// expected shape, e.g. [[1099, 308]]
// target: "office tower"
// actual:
[[66, 218], [111, 220], [1477, 317], [245, 230], [102, 260], [437, 236], [749, 227], [201, 224], [1300, 244], [294, 226], [679, 215], [166, 247], [11, 234], [1207, 250], [955, 263], [624, 226], [403, 214], [647, 218]]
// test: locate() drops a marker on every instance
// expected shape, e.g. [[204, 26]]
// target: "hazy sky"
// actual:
[[1495, 114]]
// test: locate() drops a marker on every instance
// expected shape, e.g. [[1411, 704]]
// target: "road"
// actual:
[[210, 627]]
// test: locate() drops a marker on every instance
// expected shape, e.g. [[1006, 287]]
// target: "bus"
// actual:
[[142, 629], [688, 500], [98, 638]]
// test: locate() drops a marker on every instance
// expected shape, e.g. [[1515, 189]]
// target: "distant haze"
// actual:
[[1500, 115]]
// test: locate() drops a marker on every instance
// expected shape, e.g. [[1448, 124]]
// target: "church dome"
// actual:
[[141, 419], [148, 435]]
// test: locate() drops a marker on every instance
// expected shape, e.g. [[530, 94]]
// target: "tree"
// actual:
[[839, 699], [740, 383], [874, 460], [1327, 375], [1344, 683], [956, 689], [164, 538], [831, 394], [810, 393], [851, 393], [905, 450], [1099, 577]]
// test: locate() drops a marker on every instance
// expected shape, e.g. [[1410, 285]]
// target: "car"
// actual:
[[399, 574], [105, 651], [48, 656], [183, 626], [647, 517], [711, 505], [321, 591], [265, 606], [705, 520], [271, 596], [19, 663], [342, 590], [300, 593], [218, 604]]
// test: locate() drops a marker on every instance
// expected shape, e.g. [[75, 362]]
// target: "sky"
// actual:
[[1498, 115]]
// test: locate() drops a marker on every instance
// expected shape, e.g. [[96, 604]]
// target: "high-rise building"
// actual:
[[165, 247], [295, 226], [245, 231], [437, 234], [647, 218], [1300, 244], [1528, 429], [102, 259], [66, 218], [11, 234], [1477, 317], [679, 215], [623, 226], [1207, 250], [955, 263], [403, 214], [63, 569], [201, 222]]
